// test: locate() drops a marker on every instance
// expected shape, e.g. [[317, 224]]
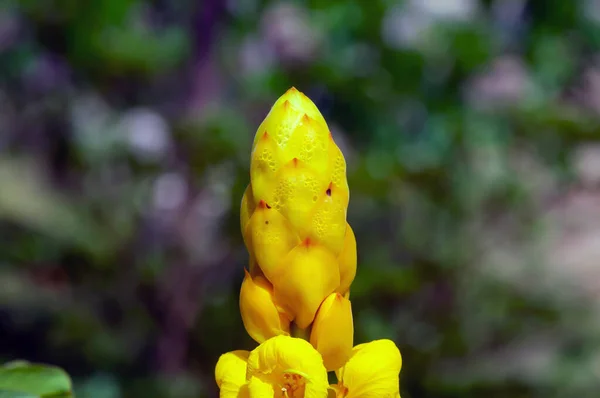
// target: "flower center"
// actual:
[[342, 391], [292, 386]]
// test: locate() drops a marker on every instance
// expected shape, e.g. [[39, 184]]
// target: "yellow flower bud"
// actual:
[[310, 274], [260, 315], [347, 261], [271, 237], [333, 331]]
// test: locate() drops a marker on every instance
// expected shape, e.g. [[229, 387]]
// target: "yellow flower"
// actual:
[[371, 372], [260, 315], [282, 366], [332, 332]]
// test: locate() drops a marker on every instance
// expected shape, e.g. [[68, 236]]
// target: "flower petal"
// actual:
[[372, 371], [329, 218], [333, 331], [310, 143], [310, 273], [271, 237], [230, 373], [285, 354], [297, 191], [258, 388], [264, 163], [260, 316]]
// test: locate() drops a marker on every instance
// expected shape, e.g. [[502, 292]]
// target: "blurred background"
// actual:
[[471, 130]]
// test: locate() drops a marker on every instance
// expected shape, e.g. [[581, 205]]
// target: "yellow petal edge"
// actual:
[[372, 371]]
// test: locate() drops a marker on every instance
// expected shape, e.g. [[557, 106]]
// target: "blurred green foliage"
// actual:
[[470, 130], [22, 379]]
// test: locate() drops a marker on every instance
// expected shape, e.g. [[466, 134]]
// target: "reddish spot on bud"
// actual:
[[328, 192], [295, 162], [292, 89], [286, 104], [330, 136], [263, 205], [307, 242], [306, 119], [265, 135]]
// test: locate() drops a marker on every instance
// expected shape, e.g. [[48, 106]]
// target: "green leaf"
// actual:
[[25, 380]]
